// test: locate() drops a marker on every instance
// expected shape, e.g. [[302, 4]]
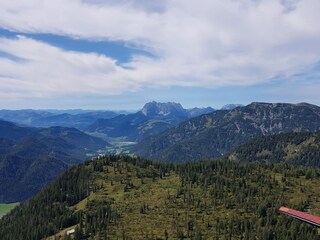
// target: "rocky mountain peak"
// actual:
[[164, 109]]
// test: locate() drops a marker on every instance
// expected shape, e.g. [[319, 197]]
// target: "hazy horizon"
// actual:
[[137, 109], [121, 54]]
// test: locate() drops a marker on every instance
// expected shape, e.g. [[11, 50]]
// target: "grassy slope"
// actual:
[[149, 208], [6, 208]]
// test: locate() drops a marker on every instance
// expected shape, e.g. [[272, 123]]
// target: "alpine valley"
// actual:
[[194, 173], [42, 144]]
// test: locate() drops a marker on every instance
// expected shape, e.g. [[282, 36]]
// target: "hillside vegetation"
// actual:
[[120, 197], [294, 148], [30, 158], [215, 134], [6, 208]]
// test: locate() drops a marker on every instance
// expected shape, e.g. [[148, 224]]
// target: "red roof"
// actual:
[[305, 217]]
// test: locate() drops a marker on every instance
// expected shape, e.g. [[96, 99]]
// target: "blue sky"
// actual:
[[121, 54]]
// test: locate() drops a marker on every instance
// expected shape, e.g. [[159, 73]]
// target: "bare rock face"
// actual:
[[164, 109]]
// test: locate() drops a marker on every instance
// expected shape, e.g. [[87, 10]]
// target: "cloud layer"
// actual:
[[196, 43]]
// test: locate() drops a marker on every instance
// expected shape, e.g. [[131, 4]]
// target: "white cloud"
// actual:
[[203, 43], [46, 70]]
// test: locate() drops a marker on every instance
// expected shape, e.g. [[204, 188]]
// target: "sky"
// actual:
[[120, 54]]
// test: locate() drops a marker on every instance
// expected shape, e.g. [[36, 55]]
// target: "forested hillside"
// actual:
[[294, 148], [213, 135], [30, 158], [130, 198]]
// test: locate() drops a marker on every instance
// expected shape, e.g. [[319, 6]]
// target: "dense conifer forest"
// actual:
[[297, 148], [121, 197]]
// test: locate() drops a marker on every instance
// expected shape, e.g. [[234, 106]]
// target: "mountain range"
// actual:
[[212, 135], [79, 119], [30, 157], [265, 155], [152, 119]]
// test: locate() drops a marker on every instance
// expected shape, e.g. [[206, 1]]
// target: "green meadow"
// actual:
[[6, 208]]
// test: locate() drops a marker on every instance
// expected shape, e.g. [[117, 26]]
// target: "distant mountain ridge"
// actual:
[[213, 135], [231, 106], [80, 119], [195, 112], [152, 119], [30, 157]]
